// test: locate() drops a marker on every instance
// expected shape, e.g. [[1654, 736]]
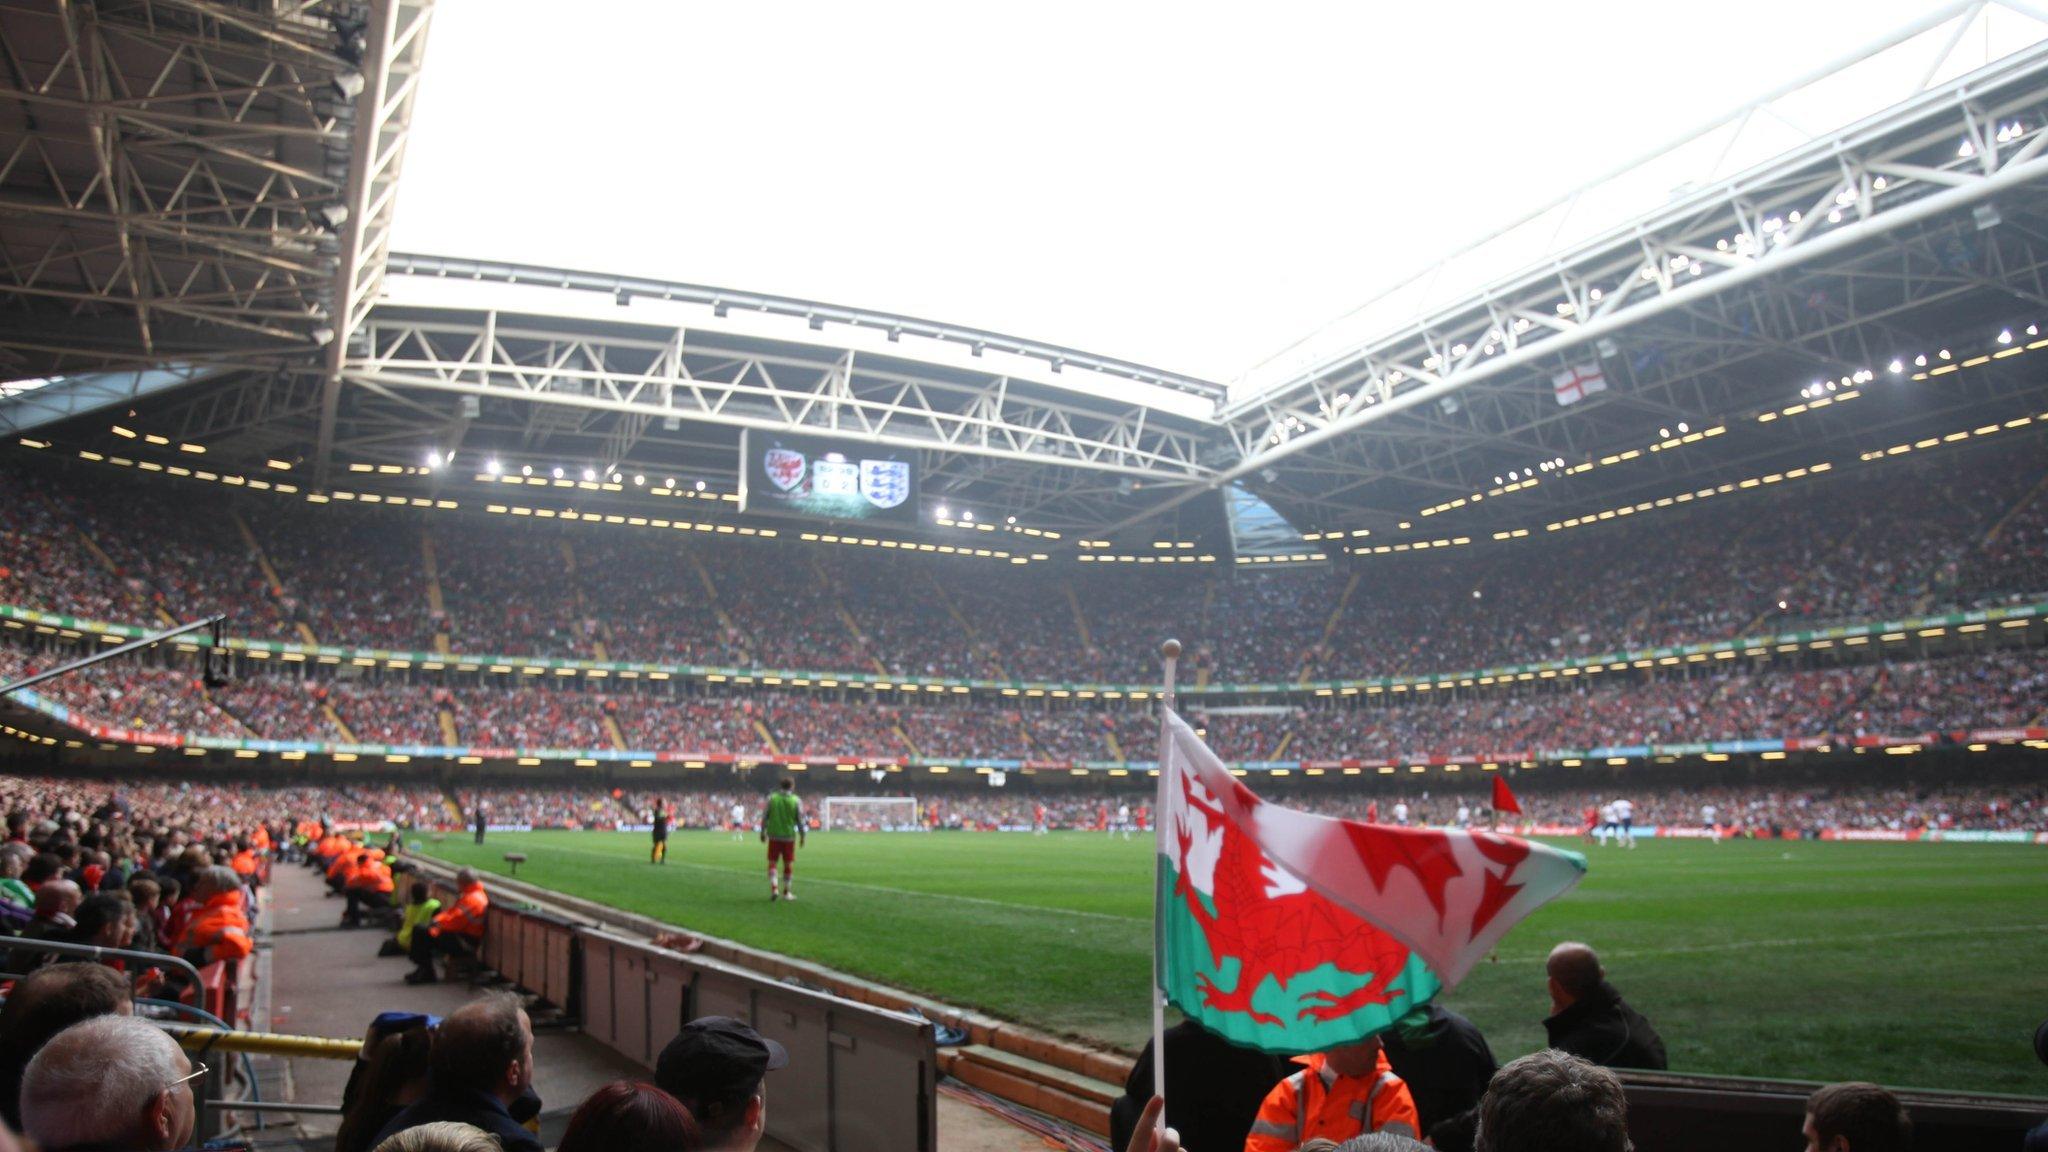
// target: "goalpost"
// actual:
[[870, 814]]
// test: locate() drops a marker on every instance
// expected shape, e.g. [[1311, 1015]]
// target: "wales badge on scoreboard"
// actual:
[[785, 468], [886, 483]]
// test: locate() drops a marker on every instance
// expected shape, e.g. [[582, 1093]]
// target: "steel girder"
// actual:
[[1942, 152], [584, 370], [169, 175]]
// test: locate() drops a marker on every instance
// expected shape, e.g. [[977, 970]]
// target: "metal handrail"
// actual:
[[95, 952]]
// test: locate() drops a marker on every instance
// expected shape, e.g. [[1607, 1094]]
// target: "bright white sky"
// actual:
[[1192, 186]]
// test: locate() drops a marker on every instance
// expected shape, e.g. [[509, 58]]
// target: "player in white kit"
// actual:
[[739, 821], [1123, 819], [1401, 813], [1625, 814], [1709, 819], [1610, 823], [1464, 815]]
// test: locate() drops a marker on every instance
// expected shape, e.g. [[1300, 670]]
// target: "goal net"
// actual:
[[870, 814]]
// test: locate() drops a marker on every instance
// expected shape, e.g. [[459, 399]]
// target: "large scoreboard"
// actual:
[[827, 479]]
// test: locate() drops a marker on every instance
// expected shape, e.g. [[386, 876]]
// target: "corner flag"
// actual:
[[1504, 800]]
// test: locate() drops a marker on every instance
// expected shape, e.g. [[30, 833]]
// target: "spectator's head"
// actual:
[[1355, 1059], [1552, 1101], [466, 878], [57, 898], [718, 1068], [1856, 1117], [214, 880], [105, 919], [627, 1117], [1574, 971], [441, 1136], [419, 894], [394, 1075], [788, 784], [110, 1082], [49, 1000], [485, 1045], [145, 892], [42, 868], [1382, 1142]]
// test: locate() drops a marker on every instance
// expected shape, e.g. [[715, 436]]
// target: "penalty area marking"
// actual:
[[855, 884]]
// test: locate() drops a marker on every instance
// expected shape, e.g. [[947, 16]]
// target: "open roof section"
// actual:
[[1809, 116]]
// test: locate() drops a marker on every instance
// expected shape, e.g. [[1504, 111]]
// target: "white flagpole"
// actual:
[[1170, 654]]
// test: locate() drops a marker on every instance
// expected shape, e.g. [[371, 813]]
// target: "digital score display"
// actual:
[[827, 479]]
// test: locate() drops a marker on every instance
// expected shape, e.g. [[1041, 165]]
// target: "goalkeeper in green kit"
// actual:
[[782, 826]]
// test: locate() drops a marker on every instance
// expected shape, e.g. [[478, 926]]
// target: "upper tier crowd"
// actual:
[[1986, 690], [1951, 530]]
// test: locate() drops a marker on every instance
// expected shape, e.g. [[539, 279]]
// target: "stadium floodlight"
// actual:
[[638, 480], [491, 466], [590, 473], [433, 459], [558, 473], [1009, 520], [1920, 361], [2005, 335], [700, 485], [526, 469], [945, 513], [1682, 429], [1897, 366], [2033, 329]]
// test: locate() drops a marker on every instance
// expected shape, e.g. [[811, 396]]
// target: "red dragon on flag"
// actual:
[[1294, 932]]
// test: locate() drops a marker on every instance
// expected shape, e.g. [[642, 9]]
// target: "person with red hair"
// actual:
[[624, 1116]]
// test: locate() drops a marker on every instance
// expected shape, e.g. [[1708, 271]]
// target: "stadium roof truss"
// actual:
[[185, 183], [195, 180]]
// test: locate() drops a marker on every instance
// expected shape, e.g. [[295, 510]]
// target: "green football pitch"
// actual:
[[1910, 964]]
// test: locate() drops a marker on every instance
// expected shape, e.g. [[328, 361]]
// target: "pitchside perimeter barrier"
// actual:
[[860, 1078]]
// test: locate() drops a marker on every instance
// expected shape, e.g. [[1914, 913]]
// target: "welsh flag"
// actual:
[[1293, 932]]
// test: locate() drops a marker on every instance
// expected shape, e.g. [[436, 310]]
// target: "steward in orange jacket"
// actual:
[[456, 930], [220, 929], [1338, 1094], [369, 885]]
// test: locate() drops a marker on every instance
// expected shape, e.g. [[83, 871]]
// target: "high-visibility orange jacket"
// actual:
[[343, 861], [1315, 1101], [466, 916], [244, 863], [261, 838], [372, 876], [221, 927]]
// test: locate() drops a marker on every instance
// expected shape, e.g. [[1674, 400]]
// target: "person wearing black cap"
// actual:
[[718, 1068]]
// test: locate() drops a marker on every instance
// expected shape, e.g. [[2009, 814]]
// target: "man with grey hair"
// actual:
[[1552, 1101], [110, 1082]]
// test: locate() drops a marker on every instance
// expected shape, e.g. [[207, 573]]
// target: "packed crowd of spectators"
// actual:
[[1919, 535], [177, 870], [1996, 689]]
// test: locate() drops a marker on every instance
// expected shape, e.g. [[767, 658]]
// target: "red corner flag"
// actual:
[[1504, 800]]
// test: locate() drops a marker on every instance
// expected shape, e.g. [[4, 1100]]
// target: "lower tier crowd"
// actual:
[[1998, 689], [175, 871]]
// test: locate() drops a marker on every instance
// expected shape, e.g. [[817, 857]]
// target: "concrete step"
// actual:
[[1023, 1082]]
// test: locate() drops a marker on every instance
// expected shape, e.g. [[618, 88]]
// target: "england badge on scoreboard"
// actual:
[[785, 468], [886, 483]]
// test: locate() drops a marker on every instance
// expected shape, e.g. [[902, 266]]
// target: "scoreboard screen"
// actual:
[[827, 479]]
